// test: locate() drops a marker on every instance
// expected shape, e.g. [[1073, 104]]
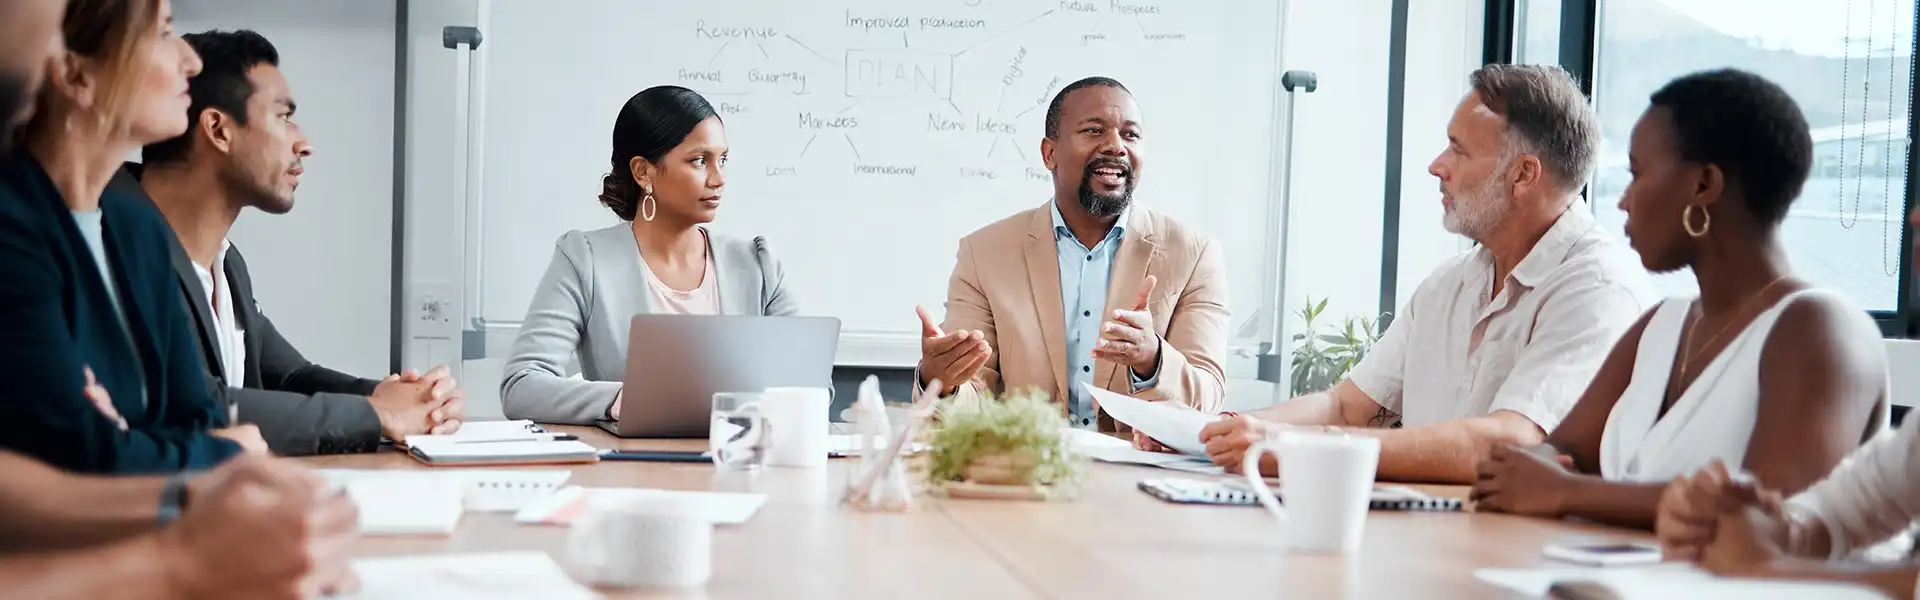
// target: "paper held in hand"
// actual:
[[1178, 427]]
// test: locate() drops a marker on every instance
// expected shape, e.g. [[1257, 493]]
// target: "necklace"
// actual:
[[1686, 356]]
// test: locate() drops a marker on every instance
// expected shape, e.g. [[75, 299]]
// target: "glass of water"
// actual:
[[739, 435]]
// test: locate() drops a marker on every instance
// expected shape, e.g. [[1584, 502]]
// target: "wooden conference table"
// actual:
[[1112, 542]]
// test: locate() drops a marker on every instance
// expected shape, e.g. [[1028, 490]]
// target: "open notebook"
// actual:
[[484, 431], [500, 443]]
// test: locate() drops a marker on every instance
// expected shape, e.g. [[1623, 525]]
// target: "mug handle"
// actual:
[[1250, 466], [756, 428]]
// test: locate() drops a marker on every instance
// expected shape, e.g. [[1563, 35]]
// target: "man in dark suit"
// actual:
[[243, 149]]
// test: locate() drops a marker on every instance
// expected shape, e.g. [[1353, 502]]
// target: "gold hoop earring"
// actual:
[[647, 208], [1686, 220]]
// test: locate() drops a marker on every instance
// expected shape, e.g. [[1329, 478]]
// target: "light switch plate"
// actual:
[[434, 312]]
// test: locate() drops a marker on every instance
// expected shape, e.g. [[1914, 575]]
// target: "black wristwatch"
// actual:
[[173, 497]]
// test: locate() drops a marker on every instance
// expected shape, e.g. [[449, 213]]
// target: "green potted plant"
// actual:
[[1012, 443], [1322, 359]]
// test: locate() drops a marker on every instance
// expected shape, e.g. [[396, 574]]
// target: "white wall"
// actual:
[[435, 212], [324, 271], [1338, 195], [325, 268], [1443, 41]]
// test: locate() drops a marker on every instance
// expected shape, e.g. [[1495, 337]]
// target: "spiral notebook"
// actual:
[[1236, 493]]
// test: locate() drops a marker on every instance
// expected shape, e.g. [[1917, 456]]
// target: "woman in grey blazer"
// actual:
[[669, 148]]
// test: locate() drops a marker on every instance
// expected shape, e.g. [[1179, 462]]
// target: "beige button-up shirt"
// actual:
[[1457, 351]]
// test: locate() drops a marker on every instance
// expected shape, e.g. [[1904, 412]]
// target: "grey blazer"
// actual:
[[585, 303]]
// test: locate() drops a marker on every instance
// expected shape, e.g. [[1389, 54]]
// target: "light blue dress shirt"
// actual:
[[1085, 274]]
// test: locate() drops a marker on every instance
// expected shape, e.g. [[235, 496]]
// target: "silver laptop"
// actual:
[[676, 363]]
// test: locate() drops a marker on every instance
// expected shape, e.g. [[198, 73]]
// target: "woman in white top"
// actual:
[[1761, 371], [669, 154]]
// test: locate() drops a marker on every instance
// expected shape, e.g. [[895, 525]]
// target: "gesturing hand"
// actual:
[[1512, 480], [1128, 339], [951, 358]]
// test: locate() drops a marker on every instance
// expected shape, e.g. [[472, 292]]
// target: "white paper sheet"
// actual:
[[1665, 581], [562, 507], [407, 506], [492, 576], [1106, 448], [1176, 426], [483, 490], [1177, 462]]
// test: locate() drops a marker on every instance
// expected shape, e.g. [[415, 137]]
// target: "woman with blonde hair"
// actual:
[[105, 374]]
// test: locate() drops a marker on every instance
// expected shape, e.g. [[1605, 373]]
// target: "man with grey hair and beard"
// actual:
[[1498, 343]]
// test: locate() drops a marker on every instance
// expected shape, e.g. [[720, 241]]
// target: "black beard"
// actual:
[[13, 106], [1104, 205]]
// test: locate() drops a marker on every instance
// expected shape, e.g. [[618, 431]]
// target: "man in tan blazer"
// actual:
[[1087, 288]]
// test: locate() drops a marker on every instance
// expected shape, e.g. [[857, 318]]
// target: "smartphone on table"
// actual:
[[1604, 553]]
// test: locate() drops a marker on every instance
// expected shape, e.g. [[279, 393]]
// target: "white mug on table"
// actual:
[[1327, 479], [797, 418]]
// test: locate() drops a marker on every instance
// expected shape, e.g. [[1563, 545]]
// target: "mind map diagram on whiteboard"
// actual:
[[914, 59]]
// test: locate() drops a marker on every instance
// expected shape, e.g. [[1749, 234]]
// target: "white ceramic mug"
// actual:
[[1327, 479], [797, 419], [642, 542]]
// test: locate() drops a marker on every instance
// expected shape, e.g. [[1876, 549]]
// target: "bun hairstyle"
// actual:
[[651, 124]]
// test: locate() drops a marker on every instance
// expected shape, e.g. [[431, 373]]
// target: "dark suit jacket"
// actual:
[[301, 408], [59, 319]]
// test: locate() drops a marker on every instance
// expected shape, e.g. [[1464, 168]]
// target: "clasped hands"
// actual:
[[1727, 523], [954, 358], [414, 403], [408, 403]]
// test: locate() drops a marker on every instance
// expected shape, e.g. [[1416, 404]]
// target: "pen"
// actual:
[[557, 437]]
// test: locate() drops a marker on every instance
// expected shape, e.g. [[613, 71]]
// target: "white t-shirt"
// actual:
[[226, 329], [1455, 351]]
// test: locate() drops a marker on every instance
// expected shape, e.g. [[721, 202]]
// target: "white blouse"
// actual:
[[1871, 498]]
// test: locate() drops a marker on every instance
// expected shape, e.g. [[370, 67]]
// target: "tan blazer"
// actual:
[[1006, 283]]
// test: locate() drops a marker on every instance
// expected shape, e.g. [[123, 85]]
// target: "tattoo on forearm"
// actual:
[[1386, 419]]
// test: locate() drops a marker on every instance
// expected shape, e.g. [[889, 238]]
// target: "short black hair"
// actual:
[[1749, 127], [651, 124], [227, 57], [1053, 108]]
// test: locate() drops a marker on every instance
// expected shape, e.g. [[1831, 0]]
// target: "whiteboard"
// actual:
[[868, 137]]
